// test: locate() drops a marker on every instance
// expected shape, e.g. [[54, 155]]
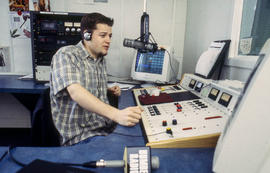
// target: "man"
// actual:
[[78, 83]]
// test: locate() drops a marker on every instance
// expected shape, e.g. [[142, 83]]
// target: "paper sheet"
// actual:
[[122, 86], [208, 58]]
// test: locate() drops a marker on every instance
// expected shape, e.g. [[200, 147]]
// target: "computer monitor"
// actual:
[[244, 144], [152, 66]]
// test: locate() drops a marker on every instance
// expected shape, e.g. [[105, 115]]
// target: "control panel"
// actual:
[[190, 114], [50, 31]]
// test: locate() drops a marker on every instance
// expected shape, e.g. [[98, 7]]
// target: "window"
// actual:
[[251, 27]]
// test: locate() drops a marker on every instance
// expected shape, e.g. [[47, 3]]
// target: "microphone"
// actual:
[[110, 163], [152, 47], [121, 163], [136, 159]]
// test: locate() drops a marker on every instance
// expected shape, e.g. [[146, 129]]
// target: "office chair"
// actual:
[[44, 132]]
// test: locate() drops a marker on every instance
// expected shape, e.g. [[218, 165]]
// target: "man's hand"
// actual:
[[115, 90], [129, 116]]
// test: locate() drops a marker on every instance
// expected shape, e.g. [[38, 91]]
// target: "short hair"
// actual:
[[90, 21]]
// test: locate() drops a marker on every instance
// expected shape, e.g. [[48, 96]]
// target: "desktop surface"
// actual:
[[11, 84], [111, 147]]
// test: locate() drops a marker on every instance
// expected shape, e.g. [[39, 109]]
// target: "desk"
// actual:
[[11, 84], [112, 147], [26, 94], [27, 91]]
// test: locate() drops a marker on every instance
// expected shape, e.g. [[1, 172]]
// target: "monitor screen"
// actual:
[[152, 66], [198, 86], [192, 83], [225, 99], [150, 62], [213, 94]]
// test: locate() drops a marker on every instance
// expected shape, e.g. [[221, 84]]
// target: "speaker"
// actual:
[[87, 35]]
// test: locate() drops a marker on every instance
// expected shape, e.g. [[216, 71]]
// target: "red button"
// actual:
[[164, 123]]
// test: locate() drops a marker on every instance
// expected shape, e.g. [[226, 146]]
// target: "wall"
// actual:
[[187, 26], [4, 35], [207, 21], [168, 28], [4, 31]]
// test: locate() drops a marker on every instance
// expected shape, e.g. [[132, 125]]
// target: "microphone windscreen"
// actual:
[[133, 44]]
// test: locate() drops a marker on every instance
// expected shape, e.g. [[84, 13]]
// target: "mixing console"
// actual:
[[190, 114]]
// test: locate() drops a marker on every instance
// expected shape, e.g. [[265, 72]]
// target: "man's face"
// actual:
[[100, 42]]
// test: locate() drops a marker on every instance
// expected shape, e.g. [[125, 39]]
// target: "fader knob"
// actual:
[[169, 130], [179, 106], [164, 123], [179, 110]]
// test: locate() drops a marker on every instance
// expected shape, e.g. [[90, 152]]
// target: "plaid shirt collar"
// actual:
[[85, 54]]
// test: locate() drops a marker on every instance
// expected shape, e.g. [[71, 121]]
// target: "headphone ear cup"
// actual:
[[87, 36]]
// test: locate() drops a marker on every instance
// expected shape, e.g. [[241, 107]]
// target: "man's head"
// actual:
[[96, 33]]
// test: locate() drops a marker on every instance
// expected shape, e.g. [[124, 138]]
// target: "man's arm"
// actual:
[[127, 117]]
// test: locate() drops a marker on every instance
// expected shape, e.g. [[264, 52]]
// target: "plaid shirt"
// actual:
[[73, 64]]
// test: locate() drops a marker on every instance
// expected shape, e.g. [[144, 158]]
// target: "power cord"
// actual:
[[10, 148], [3, 156], [170, 59], [122, 134], [91, 164]]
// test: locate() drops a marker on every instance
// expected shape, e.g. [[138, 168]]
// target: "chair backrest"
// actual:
[[44, 132]]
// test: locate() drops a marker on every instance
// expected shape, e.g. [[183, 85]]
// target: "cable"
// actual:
[[91, 164], [117, 133], [170, 62], [137, 135], [3, 156], [156, 134], [10, 148], [206, 86], [152, 37]]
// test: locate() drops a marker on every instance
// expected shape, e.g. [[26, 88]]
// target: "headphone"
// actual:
[[87, 35]]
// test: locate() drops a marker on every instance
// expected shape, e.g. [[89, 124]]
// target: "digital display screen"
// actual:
[[214, 91], [199, 86], [192, 83], [68, 24], [77, 24], [150, 62], [46, 25], [225, 97], [213, 94]]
